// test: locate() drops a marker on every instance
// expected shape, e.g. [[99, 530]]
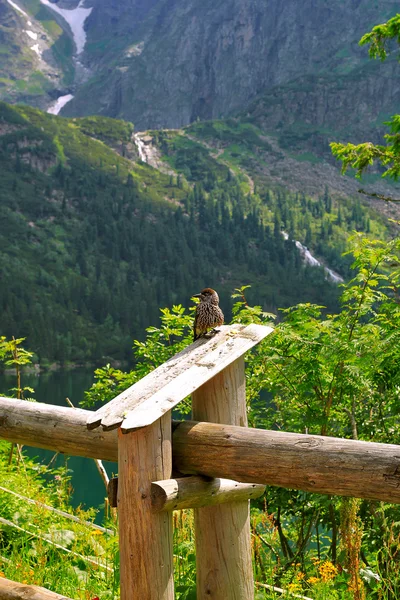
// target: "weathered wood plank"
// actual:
[[162, 389], [312, 463], [222, 532], [145, 537], [59, 428], [12, 590]]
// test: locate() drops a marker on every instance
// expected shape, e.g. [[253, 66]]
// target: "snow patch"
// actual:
[[55, 108], [36, 49], [17, 8], [75, 18], [32, 35], [135, 50]]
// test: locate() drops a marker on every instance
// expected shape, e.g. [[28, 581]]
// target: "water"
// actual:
[[53, 388], [140, 146], [55, 108], [309, 259]]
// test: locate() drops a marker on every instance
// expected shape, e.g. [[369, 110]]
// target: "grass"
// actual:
[[80, 560], [308, 157], [83, 565]]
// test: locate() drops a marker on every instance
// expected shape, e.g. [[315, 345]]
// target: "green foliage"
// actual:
[[362, 156], [84, 564], [106, 129], [380, 35], [12, 354], [333, 374]]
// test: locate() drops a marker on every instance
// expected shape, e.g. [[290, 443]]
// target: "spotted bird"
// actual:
[[208, 314]]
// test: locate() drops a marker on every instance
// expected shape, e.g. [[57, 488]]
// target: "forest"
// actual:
[[93, 242]]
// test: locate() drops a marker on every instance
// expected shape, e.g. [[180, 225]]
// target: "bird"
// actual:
[[208, 314]]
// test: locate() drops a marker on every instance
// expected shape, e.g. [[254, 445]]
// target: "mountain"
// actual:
[[93, 240], [293, 71], [36, 54], [167, 63]]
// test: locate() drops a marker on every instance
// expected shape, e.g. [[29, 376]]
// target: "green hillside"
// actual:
[[93, 241]]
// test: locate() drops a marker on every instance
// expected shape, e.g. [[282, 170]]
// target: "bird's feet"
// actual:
[[211, 333]]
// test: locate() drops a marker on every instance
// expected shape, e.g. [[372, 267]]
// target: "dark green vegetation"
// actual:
[[92, 243]]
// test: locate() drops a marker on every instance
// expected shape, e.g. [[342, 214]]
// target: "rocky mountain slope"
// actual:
[[36, 54], [166, 63], [295, 71]]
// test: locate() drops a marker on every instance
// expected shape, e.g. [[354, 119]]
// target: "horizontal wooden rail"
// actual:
[[193, 492], [11, 590], [308, 462], [313, 463], [58, 428]]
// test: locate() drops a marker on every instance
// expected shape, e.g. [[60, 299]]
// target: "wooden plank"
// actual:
[[12, 590], [145, 537], [222, 533], [313, 463], [162, 389], [59, 428]]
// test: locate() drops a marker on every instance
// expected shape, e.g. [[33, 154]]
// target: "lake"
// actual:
[[52, 388]]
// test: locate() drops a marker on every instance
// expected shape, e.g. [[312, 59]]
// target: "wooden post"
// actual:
[[223, 547], [145, 537]]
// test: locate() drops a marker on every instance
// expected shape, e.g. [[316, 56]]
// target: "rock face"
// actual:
[[165, 63]]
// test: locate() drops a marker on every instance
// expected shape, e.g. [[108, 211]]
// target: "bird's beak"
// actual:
[[196, 295]]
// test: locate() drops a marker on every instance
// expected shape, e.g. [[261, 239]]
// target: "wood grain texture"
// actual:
[[312, 463], [162, 389], [145, 537], [11, 590], [58, 428], [194, 492], [112, 492], [222, 532]]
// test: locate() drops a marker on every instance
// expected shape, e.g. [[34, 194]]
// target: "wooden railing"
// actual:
[[224, 463]]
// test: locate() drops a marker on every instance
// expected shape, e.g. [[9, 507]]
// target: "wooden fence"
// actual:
[[222, 462]]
